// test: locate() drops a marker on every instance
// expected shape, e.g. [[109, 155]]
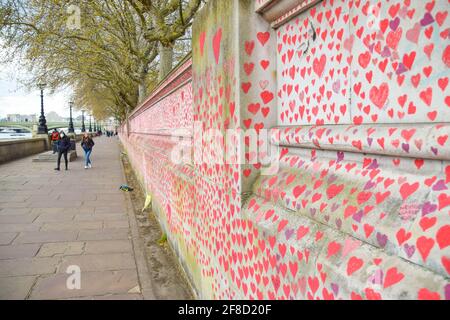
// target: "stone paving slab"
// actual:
[[113, 297], [61, 249], [109, 210], [46, 236], [115, 224], [77, 197], [13, 205], [40, 198], [52, 220], [61, 211], [111, 246], [72, 226], [19, 227], [19, 218], [99, 262], [14, 211], [105, 234], [13, 198], [54, 217], [101, 217], [19, 251], [28, 266], [16, 288], [7, 238], [92, 284], [61, 204]]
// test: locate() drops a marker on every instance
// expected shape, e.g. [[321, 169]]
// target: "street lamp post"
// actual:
[[90, 123], [83, 127], [95, 126], [42, 128], [71, 128]]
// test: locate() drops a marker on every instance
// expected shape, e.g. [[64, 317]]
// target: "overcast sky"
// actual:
[[16, 99]]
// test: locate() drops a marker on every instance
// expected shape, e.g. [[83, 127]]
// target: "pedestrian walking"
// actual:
[[87, 143], [63, 149], [55, 140]]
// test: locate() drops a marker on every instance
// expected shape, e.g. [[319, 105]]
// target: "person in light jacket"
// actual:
[[87, 143]]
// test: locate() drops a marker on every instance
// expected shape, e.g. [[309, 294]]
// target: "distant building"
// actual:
[[21, 118], [52, 116]]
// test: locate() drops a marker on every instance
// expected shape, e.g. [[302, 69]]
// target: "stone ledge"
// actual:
[[50, 157], [17, 149], [277, 12], [21, 141], [424, 141]]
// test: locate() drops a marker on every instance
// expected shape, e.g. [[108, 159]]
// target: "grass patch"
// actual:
[[163, 240]]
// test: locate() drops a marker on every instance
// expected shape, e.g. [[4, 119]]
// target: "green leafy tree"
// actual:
[[111, 53]]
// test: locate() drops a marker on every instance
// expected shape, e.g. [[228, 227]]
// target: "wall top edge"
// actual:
[[23, 141], [263, 5], [278, 12]]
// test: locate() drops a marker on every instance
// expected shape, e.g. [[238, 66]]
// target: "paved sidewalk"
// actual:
[[51, 220]]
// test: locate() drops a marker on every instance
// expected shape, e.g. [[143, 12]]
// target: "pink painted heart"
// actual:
[[407, 189], [263, 37], [424, 245], [350, 245], [443, 237], [353, 265], [216, 44], [393, 276], [202, 42], [348, 43], [425, 294], [319, 65], [379, 95], [267, 96], [413, 34]]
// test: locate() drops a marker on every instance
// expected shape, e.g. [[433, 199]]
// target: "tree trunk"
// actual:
[[165, 60], [142, 87], [142, 91]]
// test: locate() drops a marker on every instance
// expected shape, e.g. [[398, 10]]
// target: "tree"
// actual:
[[111, 59], [168, 21]]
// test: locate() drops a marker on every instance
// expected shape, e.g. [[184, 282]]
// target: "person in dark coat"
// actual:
[[63, 149]]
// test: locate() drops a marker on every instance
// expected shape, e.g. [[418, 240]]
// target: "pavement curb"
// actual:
[[138, 246]]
